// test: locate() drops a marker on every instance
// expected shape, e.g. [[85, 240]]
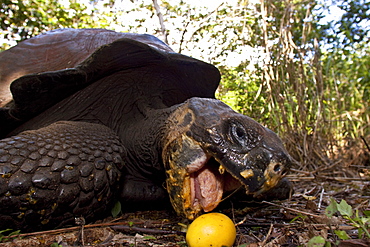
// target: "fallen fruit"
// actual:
[[213, 229]]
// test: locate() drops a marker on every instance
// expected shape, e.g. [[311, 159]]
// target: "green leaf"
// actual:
[[6, 230], [364, 220], [345, 209], [14, 233], [367, 213], [116, 209], [316, 241], [332, 208], [327, 244], [360, 233], [300, 216], [150, 238], [55, 245], [6, 237], [341, 234]]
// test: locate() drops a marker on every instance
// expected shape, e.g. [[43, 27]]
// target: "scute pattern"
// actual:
[[66, 164]]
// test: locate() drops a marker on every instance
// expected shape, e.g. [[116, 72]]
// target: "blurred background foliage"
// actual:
[[300, 67]]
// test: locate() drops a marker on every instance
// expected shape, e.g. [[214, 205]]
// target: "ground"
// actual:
[[293, 222]]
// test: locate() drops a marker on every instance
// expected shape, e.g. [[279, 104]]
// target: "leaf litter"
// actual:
[[330, 207]]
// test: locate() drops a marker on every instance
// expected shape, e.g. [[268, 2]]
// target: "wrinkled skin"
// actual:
[[121, 124], [215, 150]]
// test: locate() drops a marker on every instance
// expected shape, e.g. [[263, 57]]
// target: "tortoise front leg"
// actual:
[[51, 175]]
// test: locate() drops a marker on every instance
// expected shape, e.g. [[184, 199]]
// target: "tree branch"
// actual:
[[161, 21]]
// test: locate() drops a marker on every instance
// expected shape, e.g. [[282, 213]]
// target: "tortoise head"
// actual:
[[212, 149]]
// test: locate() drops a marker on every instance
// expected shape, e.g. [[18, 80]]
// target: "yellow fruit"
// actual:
[[213, 229]]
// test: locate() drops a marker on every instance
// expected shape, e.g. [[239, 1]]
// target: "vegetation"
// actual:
[[283, 62], [306, 79], [360, 222]]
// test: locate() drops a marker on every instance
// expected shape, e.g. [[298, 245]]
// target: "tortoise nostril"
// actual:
[[277, 168]]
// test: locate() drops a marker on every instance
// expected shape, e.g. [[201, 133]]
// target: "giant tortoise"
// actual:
[[98, 116]]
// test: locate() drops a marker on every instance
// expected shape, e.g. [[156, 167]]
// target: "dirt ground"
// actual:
[[280, 223], [288, 223]]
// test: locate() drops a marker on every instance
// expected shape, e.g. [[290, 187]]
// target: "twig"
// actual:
[[144, 230], [232, 193], [278, 241], [296, 225], [81, 221], [321, 196], [183, 36], [82, 236], [361, 204], [340, 179], [241, 222], [68, 229], [205, 20], [267, 236], [47, 232], [309, 192], [328, 167], [258, 239], [363, 139], [161, 21], [299, 171], [291, 209]]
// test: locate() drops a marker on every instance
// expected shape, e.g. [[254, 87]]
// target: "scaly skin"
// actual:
[[157, 116], [51, 175], [229, 149]]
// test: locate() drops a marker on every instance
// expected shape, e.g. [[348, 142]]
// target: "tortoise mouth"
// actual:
[[197, 180], [208, 183]]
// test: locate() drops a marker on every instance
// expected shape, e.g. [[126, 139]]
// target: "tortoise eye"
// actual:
[[245, 138], [238, 133]]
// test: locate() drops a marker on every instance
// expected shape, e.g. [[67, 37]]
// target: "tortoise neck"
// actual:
[[143, 137]]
